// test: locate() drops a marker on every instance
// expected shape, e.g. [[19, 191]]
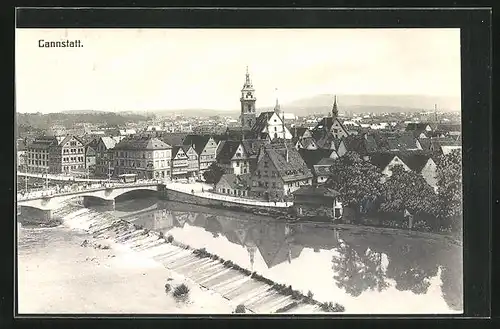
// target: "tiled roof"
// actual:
[[141, 143], [425, 143], [449, 127], [252, 146], [312, 157], [199, 141], [361, 144], [173, 139], [175, 150], [109, 142], [326, 162], [298, 131], [415, 162], [227, 150], [307, 142], [43, 142], [293, 169], [235, 182], [418, 126], [381, 160], [261, 122], [328, 141]]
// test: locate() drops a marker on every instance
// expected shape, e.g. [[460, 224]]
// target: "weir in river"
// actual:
[[240, 288]]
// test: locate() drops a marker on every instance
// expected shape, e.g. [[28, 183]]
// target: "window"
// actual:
[[275, 128], [223, 190], [274, 184], [267, 184]]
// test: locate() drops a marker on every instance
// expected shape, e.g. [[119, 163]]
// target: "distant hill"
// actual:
[[352, 103], [373, 103]]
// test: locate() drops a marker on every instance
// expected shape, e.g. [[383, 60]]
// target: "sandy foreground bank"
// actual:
[[56, 274]]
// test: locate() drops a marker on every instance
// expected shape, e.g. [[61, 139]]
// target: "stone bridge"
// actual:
[[91, 196]]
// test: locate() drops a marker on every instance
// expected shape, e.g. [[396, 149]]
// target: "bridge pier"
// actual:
[[108, 205]]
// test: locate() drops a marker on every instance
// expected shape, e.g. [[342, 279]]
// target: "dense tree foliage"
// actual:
[[449, 182], [355, 179], [213, 174], [407, 190]]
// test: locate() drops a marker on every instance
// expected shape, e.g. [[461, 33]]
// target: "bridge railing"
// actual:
[[80, 188]]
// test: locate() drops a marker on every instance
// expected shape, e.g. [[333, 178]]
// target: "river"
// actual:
[[367, 273]]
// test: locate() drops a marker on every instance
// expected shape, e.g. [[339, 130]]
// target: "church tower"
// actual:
[[247, 100], [335, 110]]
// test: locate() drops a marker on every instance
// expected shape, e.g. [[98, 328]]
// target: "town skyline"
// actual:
[[340, 61]]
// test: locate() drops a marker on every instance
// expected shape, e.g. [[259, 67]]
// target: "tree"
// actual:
[[213, 174], [355, 179], [407, 190], [449, 183]]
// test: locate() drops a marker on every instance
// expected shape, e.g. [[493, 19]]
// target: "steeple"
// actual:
[[335, 111], [247, 101], [247, 79], [277, 105]]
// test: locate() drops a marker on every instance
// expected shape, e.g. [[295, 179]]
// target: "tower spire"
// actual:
[[277, 105], [247, 78], [335, 111]]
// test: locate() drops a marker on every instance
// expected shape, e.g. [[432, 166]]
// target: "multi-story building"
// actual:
[[21, 154], [271, 125], [90, 157], [55, 155], [37, 154], [147, 157], [193, 162], [280, 171], [68, 156], [104, 159], [205, 147], [180, 163]]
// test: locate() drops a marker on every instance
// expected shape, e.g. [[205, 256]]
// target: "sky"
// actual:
[[161, 69]]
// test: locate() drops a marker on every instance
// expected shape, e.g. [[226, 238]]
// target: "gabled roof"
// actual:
[[175, 150], [141, 143], [227, 150], [110, 142], [252, 146], [199, 141], [307, 142], [381, 160], [312, 157], [67, 138], [262, 120], [293, 169], [418, 126], [298, 131], [236, 182], [425, 143], [325, 162], [449, 127], [328, 141], [361, 144], [173, 139], [415, 161]]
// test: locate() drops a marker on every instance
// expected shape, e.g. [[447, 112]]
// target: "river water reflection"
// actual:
[[367, 273]]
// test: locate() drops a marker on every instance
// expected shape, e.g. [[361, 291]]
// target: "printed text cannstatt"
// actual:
[[59, 44]]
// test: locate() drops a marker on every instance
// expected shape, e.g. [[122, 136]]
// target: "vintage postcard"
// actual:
[[239, 171]]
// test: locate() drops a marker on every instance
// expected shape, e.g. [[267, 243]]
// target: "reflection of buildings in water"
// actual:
[[163, 219]]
